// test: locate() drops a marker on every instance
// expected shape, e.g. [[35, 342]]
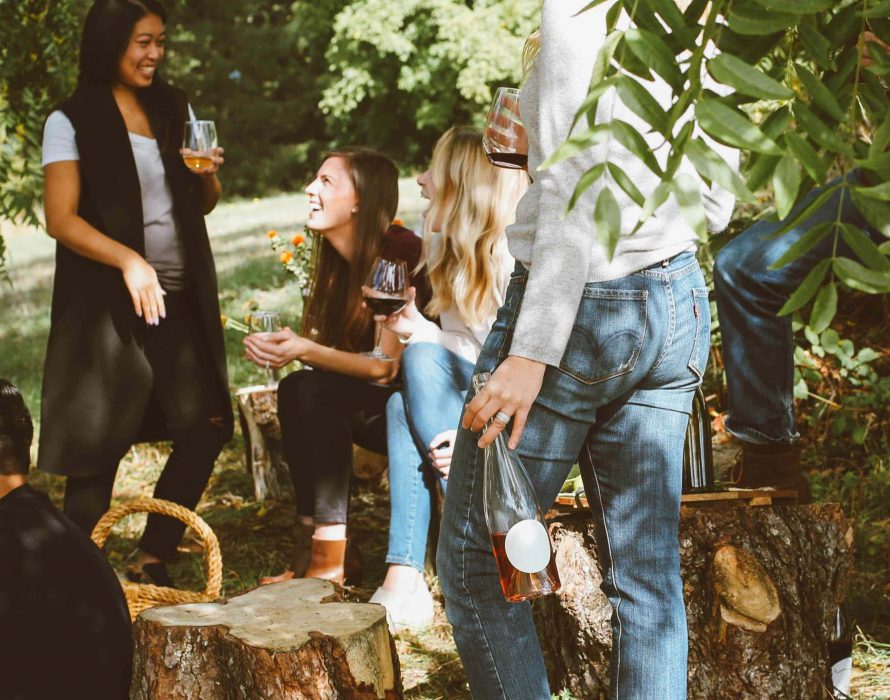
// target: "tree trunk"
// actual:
[[286, 641], [762, 585]]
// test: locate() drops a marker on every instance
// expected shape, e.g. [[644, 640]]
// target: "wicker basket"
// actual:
[[141, 596]]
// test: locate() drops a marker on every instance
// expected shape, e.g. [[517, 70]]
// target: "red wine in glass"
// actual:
[[385, 291], [384, 306], [513, 161]]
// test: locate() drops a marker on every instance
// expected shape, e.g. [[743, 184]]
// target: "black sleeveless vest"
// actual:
[[97, 382]]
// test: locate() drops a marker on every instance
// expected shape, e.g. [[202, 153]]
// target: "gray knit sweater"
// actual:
[[561, 251]]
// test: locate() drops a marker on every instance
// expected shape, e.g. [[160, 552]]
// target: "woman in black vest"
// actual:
[[135, 349]]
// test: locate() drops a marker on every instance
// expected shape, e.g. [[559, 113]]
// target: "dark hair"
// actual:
[[334, 315], [16, 431], [106, 34]]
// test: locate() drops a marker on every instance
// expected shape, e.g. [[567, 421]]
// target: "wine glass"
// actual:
[[504, 139], [198, 143], [266, 322], [385, 292]]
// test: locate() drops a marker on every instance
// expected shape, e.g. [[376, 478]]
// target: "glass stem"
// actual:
[[378, 327]]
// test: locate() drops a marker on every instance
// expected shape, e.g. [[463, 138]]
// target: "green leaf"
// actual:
[[588, 107], [786, 183], [604, 58], [875, 212], [752, 21], [804, 244], [880, 138], [688, 195], [731, 127], [881, 191], [801, 6], [877, 163], [676, 20], [746, 79], [865, 248], [590, 6], [807, 288], [631, 139], [805, 212], [807, 156], [761, 171], [858, 277], [587, 179], [882, 9], [656, 198], [815, 42], [820, 94], [576, 144], [626, 184], [816, 128], [607, 221], [711, 166], [824, 308], [830, 339], [640, 101], [652, 51]]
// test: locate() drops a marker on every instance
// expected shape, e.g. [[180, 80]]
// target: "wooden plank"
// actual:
[[733, 497]]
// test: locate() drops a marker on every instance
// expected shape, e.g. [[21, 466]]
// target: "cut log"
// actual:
[[762, 587], [264, 450], [290, 640]]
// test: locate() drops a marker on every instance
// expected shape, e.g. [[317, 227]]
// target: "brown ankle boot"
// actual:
[[300, 559], [771, 466], [333, 560]]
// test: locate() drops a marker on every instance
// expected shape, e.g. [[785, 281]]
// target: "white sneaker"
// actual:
[[406, 611]]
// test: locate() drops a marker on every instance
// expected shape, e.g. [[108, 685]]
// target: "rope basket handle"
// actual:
[[144, 504]]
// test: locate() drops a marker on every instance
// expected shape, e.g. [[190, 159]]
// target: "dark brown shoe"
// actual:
[[771, 466]]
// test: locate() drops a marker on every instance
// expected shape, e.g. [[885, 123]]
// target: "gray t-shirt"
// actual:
[[164, 249]]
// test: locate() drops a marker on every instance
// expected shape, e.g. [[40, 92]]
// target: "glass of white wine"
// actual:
[[266, 322], [198, 142]]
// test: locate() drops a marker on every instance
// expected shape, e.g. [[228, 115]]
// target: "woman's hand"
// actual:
[[275, 350], [511, 391], [145, 289], [440, 450], [404, 322]]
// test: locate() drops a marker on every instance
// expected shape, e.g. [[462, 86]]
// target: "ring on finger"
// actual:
[[501, 418]]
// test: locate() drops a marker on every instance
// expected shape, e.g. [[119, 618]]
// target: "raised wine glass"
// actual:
[[198, 142], [385, 292], [504, 139], [266, 322]]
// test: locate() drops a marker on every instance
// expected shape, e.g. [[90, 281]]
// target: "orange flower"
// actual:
[[398, 222], [299, 239], [271, 234], [286, 257], [223, 319]]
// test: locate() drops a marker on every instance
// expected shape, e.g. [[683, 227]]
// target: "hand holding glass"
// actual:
[[385, 292], [266, 322], [504, 139], [198, 143]]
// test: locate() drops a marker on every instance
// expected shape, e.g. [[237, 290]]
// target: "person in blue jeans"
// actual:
[[594, 359], [466, 260], [749, 295]]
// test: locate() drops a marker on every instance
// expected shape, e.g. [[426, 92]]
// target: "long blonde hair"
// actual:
[[473, 204]]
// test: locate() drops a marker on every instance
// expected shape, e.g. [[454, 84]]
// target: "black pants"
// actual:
[[186, 393], [322, 414]]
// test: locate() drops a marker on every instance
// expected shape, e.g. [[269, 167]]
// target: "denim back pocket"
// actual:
[[607, 336], [701, 344]]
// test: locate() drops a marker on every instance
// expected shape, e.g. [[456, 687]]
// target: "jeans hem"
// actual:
[[404, 561], [755, 437]]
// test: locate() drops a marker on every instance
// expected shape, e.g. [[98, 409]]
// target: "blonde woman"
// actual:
[[468, 267]]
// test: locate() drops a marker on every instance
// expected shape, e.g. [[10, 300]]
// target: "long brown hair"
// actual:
[[333, 315]]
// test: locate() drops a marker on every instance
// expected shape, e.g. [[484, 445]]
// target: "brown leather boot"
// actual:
[[333, 560], [300, 560], [771, 466]]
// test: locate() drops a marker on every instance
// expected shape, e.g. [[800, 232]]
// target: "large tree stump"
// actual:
[[762, 585], [258, 413], [285, 641]]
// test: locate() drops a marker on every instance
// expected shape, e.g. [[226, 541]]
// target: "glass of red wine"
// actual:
[[385, 292], [504, 139]]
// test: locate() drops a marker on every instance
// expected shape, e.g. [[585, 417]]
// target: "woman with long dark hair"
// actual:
[[342, 398], [135, 349]]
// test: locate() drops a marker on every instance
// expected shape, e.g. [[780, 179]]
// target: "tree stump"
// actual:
[[762, 586], [258, 413], [286, 641]]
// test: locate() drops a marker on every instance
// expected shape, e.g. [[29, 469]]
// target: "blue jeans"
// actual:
[[758, 345], [431, 401], [618, 404]]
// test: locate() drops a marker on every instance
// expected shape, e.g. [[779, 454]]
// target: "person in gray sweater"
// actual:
[[594, 361]]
